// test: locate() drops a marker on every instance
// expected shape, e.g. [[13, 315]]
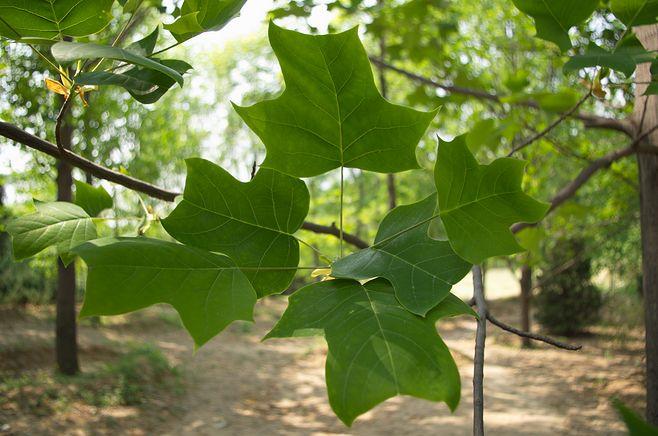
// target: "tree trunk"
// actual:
[[646, 117], [66, 344], [526, 295], [383, 85]]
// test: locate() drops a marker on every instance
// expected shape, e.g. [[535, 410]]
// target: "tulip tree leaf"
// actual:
[[554, 18], [250, 222], [144, 84], [53, 19], [422, 270], [331, 114], [377, 349], [479, 203], [126, 274], [635, 12], [59, 224], [623, 59], [198, 16], [93, 199], [71, 51]]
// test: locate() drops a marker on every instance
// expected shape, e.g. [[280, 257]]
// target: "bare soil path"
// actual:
[[236, 385]]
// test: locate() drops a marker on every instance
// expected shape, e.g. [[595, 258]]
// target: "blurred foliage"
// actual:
[[568, 301]]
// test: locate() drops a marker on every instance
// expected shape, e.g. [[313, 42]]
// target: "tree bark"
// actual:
[[526, 295], [66, 344], [646, 117]]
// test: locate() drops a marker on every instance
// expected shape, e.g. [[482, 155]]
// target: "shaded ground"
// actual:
[[236, 385]]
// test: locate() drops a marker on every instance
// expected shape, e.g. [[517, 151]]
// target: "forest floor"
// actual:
[[236, 385]]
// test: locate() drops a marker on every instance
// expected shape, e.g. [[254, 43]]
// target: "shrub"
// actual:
[[568, 302]]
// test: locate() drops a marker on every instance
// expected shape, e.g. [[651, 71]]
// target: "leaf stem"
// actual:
[[320, 253], [342, 191]]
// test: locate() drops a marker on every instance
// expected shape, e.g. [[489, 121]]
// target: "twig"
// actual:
[[572, 187], [551, 126], [534, 336], [590, 120], [21, 136], [63, 111], [478, 360]]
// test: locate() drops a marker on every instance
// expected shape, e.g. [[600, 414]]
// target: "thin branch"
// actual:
[[335, 231], [534, 336], [478, 360], [63, 112], [572, 187], [21, 136], [590, 121], [551, 126]]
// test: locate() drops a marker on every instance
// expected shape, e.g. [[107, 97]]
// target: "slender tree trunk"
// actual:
[[646, 117], [66, 344], [383, 85], [526, 295]]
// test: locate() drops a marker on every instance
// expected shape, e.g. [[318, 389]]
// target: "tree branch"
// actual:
[[590, 121], [534, 336], [551, 126], [572, 187], [21, 136], [478, 360]]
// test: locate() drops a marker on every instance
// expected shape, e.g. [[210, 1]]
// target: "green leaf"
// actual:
[[331, 114], [93, 199], [624, 59], [198, 16], [59, 224], [126, 274], [144, 85], [70, 51], [53, 19], [635, 424], [250, 222], [635, 12], [479, 203], [377, 349], [422, 270], [554, 18], [146, 45]]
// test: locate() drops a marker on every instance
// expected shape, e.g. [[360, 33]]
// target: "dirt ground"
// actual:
[[236, 385]]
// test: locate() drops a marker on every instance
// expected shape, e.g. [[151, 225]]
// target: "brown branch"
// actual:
[[551, 126], [572, 187], [59, 125], [590, 121], [335, 231], [533, 336], [21, 136]]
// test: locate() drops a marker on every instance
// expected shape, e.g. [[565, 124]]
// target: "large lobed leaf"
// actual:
[[59, 224], [331, 114], [53, 19], [251, 222], [126, 274], [624, 58], [422, 270], [479, 203], [377, 349], [198, 16], [554, 18]]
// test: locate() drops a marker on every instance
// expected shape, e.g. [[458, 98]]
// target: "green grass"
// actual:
[[141, 373]]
